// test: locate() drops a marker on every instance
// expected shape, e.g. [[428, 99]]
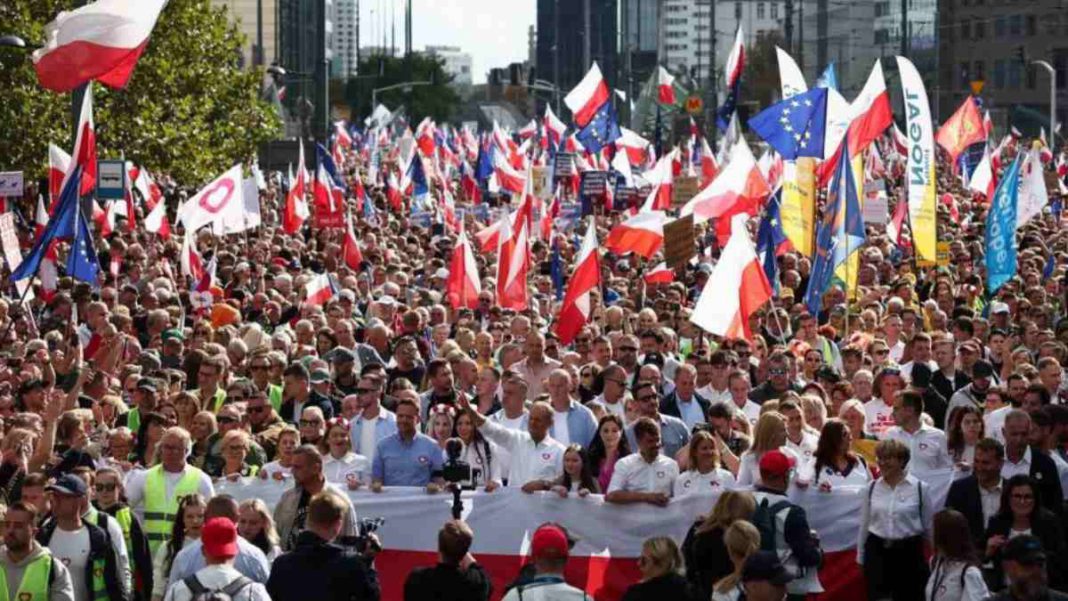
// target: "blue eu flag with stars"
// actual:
[[82, 263], [795, 127], [62, 225], [602, 130]]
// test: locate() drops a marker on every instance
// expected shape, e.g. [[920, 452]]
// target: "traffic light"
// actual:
[[1021, 54], [515, 74]]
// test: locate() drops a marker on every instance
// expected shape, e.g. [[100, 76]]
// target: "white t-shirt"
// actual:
[[749, 467], [633, 473], [368, 442], [275, 467], [560, 431], [693, 482], [806, 448], [72, 548], [879, 417]]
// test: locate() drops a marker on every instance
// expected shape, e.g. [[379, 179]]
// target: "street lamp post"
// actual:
[[1052, 98], [405, 84]]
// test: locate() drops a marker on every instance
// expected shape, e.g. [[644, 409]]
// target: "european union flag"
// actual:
[[82, 263], [1000, 235], [795, 127], [602, 130], [327, 160], [840, 233], [556, 270], [63, 224], [770, 236], [730, 103], [418, 176]]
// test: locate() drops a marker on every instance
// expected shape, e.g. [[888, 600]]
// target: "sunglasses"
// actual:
[[226, 419], [777, 372], [311, 422], [366, 390], [105, 487]]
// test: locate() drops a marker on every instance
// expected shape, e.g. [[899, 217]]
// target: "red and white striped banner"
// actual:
[[610, 537]]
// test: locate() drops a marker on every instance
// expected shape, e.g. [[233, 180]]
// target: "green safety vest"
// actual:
[[160, 510], [35, 579], [133, 420], [274, 394], [220, 398], [125, 520], [100, 586]]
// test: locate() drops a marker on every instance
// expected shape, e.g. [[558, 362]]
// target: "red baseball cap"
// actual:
[[549, 540], [776, 462], [219, 537]]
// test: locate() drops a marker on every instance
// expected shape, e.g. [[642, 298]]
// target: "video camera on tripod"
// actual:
[[458, 474]]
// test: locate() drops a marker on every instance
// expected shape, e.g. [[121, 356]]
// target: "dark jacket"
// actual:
[[1048, 479], [706, 558], [935, 405], [766, 392], [661, 588], [448, 583], [316, 569], [140, 555], [964, 497], [670, 405], [1047, 527], [947, 387], [314, 400], [99, 548]]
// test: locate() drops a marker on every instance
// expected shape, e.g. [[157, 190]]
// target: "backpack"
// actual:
[[765, 522], [226, 593]]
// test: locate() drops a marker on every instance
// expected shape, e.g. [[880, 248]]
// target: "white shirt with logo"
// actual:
[[634, 474], [693, 482]]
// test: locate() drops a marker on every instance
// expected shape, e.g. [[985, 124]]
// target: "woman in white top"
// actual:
[[578, 474], [705, 475], [770, 434], [479, 453], [965, 428], [282, 467], [256, 525], [954, 573], [742, 539], [340, 465], [184, 532], [834, 463]]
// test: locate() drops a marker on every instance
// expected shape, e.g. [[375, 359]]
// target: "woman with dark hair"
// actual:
[[607, 447], [964, 430], [479, 453], [704, 550], [148, 436], [590, 385], [1021, 512], [577, 477], [834, 462], [955, 573], [186, 530]]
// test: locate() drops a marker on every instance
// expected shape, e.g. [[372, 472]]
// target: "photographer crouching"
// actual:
[[318, 568]]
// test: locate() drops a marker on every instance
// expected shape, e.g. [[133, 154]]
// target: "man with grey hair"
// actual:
[[290, 514], [1022, 458]]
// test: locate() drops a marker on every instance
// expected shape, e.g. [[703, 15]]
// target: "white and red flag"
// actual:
[[58, 165], [575, 312], [736, 289], [319, 290], [463, 286], [99, 41], [738, 189], [350, 248], [665, 86], [587, 97]]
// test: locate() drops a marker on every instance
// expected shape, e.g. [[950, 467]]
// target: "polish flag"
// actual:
[[982, 180], [100, 41], [738, 189], [463, 286], [988, 124], [896, 227], [635, 146], [553, 126], [659, 275], [350, 248], [58, 165], [191, 263], [870, 111], [662, 177], [1044, 153], [901, 143], [148, 189], [319, 290], [665, 88], [488, 238], [510, 179], [41, 218], [576, 309], [709, 168], [156, 221], [528, 130], [424, 136], [84, 146], [296, 209], [736, 289], [587, 97], [642, 234], [513, 262]]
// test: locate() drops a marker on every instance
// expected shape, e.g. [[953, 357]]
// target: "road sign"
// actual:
[[694, 105], [111, 180], [11, 184], [977, 86]]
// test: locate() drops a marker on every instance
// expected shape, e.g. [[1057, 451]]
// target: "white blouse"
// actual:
[[947, 583], [692, 482]]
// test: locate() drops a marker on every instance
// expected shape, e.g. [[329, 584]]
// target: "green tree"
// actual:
[[438, 101], [761, 80], [188, 110]]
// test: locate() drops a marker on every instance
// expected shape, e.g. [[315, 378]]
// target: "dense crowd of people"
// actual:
[[126, 403]]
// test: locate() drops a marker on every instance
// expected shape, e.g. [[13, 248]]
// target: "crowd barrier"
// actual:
[[609, 536]]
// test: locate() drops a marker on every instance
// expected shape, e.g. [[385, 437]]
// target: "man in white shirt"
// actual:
[[927, 445], [219, 544], [535, 457], [614, 395], [645, 476], [712, 378], [798, 437], [739, 386], [374, 421]]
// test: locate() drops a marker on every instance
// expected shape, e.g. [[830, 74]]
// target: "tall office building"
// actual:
[[457, 63], [842, 33], [346, 38], [639, 42], [256, 19], [561, 41], [305, 42]]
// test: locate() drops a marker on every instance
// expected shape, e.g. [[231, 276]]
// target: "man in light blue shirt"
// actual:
[[407, 458], [250, 560], [374, 423], [673, 431], [572, 422]]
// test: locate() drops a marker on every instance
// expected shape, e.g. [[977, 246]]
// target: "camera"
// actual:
[[362, 542], [458, 474]]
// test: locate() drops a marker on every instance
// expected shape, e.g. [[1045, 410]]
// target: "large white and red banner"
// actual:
[[604, 561]]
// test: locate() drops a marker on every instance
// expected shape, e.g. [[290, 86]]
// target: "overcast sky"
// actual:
[[494, 32]]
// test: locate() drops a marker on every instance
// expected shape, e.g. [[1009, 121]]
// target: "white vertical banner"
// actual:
[[920, 165], [10, 241]]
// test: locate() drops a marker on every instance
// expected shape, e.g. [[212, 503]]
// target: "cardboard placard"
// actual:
[[564, 166], [543, 187], [11, 184], [683, 189], [876, 208], [594, 183], [679, 244]]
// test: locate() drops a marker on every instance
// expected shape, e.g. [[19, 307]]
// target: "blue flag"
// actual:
[[840, 233], [82, 262], [62, 224], [418, 176], [484, 165], [602, 130], [770, 236], [795, 127], [1000, 235], [828, 79], [726, 110], [1051, 265], [556, 271], [324, 157]]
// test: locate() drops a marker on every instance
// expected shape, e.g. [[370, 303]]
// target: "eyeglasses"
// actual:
[[777, 372], [105, 487], [1023, 497], [311, 422], [236, 398]]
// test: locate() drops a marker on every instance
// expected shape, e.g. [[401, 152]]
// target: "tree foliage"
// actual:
[[438, 101], [188, 110], [761, 81]]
